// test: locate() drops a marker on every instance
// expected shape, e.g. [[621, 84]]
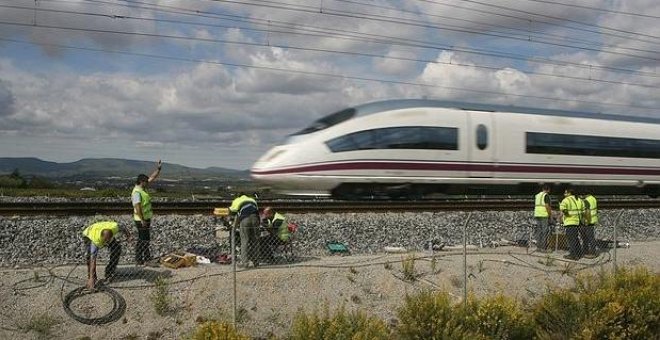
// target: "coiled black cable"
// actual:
[[118, 305]]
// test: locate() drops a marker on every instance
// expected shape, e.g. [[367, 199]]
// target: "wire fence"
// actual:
[[258, 277]]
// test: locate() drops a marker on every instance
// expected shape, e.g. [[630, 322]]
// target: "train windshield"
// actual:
[[328, 121]]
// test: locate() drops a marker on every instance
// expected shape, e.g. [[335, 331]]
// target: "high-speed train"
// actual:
[[412, 148]]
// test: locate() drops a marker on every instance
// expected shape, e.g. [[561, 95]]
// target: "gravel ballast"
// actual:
[[26, 241]]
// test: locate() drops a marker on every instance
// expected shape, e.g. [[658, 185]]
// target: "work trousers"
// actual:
[[142, 251], [249, 231], [588, 239], [542, 232], [115, 252], [574, 247]]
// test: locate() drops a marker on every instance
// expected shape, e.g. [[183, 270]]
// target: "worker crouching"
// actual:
[[96, 236]]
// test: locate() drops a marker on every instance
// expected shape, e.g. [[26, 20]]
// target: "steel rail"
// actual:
[[299, 206]]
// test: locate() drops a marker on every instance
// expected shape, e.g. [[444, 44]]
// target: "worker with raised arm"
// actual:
[[142, 214]]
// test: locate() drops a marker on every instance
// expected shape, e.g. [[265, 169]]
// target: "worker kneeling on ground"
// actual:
[[96, 236], [278, 230]]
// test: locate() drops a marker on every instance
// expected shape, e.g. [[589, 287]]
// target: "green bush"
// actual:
[[42, 324], [429, 315], [497, 317], [11, 182], [340, 325], [161, 298], [433, 316], [214, 330], [622, 306]]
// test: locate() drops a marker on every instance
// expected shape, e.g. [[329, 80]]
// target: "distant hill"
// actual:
[[108, 167]]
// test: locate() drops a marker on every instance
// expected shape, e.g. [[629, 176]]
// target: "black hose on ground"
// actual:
[[118, 305]]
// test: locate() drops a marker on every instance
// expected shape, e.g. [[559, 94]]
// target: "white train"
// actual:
[[417, 147]]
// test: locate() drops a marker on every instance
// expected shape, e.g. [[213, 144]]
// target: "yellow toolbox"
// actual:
[[221, 211]]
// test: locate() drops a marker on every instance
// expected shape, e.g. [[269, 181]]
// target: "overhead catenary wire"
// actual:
[[420, 24], [323, 50], [362, 36], [521, 32], [559, 19], [606, 10], [331, 75], [391, 81]]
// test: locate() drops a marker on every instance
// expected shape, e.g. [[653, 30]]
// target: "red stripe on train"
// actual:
[[469, 167]]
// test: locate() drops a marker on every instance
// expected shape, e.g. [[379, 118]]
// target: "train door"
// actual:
[[481, 144]]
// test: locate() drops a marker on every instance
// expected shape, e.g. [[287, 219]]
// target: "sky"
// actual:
[[217, 83]]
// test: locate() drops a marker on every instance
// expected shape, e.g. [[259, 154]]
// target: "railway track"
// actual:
[[299, 206]]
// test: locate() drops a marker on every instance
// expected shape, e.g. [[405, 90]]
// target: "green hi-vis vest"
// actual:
[[283, 230], [93, 232], [593, 209], [145, 201], [539, 205], [240, 206], [575, 208]]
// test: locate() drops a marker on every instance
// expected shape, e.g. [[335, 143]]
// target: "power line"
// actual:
[[313, 9], [382, 18], [531, 21], [596, 9], [549, 17], [354, 53], [351, 36], [524, 33], [326, 75]]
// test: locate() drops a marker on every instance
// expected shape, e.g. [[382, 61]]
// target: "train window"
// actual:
[[406, 137], [563, 144], [328, 121], [482, 137]]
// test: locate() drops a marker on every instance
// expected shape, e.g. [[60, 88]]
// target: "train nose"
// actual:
[[270, 161]]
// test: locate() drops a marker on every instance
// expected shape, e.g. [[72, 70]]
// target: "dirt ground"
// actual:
[[268, 297]]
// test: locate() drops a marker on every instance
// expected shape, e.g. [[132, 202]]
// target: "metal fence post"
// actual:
[[616, 241], [233, 269], [465, 276]]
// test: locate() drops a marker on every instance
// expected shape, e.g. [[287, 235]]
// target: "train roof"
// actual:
[[397, 104]]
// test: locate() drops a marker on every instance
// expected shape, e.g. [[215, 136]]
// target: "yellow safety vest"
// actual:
[[283, 230], [145, 202], [93, 232], [574, 207], [593, 209], [239, 203], [539, 205]]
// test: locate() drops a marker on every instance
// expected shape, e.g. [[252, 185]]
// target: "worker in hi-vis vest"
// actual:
[[587, 231], [245, 212], [100, 235], [543, 218], [142, 214], [571, 210]]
